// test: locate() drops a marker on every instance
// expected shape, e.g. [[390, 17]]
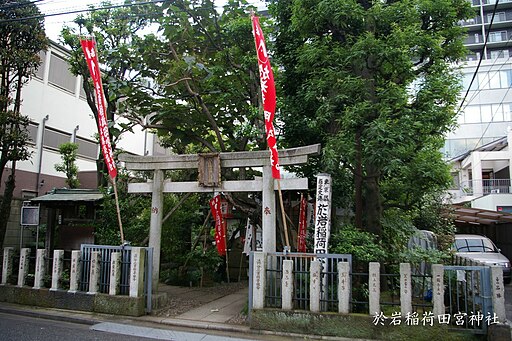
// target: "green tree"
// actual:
[[68, 166], [118, 33], [21, 40], [375, 83]]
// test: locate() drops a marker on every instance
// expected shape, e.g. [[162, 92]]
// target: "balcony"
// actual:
[[473, 189]]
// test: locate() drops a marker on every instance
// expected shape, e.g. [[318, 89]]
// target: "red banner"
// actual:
[[89, 48], [301, 242], [268, 95], [220, 225]]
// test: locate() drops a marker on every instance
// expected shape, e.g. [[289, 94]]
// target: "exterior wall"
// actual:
[[481, 120], [12, 234], [492, 201]]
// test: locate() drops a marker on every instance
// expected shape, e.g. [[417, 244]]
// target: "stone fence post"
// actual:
[[315, 284], [94, 277], [75, 271], [23, 268], [137, 272], [438, 289], [259, 282], [374, 288], [58, 258], [287, 285], [40, 268], [7, 264], [115, 273], [344, 287], [405, 288]]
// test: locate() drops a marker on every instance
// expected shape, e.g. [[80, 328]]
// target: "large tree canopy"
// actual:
[[21, 40], [373, 81]]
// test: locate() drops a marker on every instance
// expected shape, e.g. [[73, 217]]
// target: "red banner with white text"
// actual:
[[89, 48], [220, 225], [301, 243], [268, 94]]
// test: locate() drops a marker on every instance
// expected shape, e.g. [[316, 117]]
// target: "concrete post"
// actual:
[[94, 273], [40, 268], [75, 271], [259, 282], [374, 288], [438, 289], [137, 272], [268, 211], [476, 172], [344, 287], [23, 268], [405, 288], [155, 229], [287, 285], [7, 264], [315, 283], [58, 257], [115, 273], [498, 293]]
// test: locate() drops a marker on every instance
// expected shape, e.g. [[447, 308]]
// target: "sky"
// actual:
[[55, 8]]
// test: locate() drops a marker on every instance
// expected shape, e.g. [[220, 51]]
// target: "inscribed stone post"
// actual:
[[344, 287], [315, 283], [269, 211], [438, 289], [405, 288], [115, 273], [287, 285], [40, 268], [7, 264], [259, 280], [23, 268], [75, 271], [58, 257], [498, 293], [155, 229], [94, 273], [374, 288], [137, 272]]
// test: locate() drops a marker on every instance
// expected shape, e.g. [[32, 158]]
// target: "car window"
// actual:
[[474, 245]]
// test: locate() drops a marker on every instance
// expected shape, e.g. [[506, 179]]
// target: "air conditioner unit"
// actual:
[[494, 191]]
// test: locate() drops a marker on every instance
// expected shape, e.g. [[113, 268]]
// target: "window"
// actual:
[[486, 113], [87, 148], [472, 114], [499, 54], [497, 112], [483, 81], [494, 80], [40, 70], [54, 138], [498, 36], [499, 16], [60, 74]]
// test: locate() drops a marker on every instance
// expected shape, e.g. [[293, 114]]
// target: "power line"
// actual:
[[80, 11]]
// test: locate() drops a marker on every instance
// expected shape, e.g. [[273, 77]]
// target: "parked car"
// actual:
[[482, 249]]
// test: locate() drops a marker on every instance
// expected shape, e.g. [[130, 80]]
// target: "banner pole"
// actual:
[[287, 248], [118, 210], [226, 243]]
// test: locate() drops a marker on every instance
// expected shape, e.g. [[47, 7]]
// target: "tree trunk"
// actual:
[[5, 205], [372, 202]]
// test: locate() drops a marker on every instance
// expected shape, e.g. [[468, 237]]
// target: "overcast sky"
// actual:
[[54, 24]]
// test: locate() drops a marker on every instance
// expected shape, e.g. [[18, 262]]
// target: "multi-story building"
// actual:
[[486, 111], [55, 102]]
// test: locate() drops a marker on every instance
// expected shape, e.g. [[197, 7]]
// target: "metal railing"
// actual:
[[301, 277], [490, 186], [105, 258]]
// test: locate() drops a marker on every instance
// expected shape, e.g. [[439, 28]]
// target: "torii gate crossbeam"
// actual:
[[267, 185]]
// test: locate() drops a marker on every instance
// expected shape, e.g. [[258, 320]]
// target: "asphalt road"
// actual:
[[19, 328]]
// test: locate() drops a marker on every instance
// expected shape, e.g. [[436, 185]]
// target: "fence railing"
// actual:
[[82, 272], [444, 294], [484, 187]]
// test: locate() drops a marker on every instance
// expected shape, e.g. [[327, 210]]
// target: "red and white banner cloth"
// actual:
[[301, 242], [220, 225], [89, 48], [268, 95]]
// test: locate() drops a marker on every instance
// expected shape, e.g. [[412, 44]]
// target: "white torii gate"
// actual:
[[266, 184]]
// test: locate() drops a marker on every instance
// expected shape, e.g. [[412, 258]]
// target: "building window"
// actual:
[[499, 54], [54, 138], [498, 36], [40, 69], [86, 148], [60, 74], [499, 16]]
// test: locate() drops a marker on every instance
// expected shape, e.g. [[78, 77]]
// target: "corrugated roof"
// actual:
[[478, 216], [64, 194]]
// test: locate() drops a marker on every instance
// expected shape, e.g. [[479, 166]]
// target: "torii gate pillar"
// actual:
[[155, 230], [268, 211]]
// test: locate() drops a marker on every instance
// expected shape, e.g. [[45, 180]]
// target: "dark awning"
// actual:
[[67, 195]]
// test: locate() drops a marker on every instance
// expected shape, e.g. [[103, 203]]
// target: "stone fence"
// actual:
[[344, 288], [133, 304]]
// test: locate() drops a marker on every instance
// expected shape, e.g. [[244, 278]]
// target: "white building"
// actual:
[[54, 101]]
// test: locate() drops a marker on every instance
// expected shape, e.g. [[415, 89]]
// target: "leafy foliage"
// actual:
[[68, 166], [373, 82], [20, 44]]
